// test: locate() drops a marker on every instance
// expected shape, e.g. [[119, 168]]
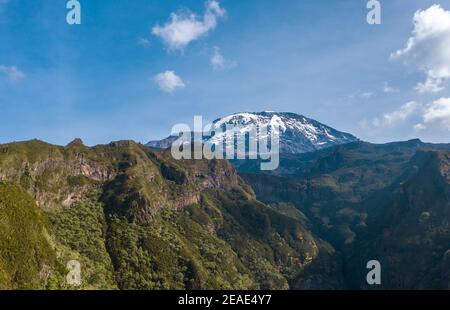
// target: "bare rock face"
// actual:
[[186, 200], [77, 142], [91, 169], [219, 175]]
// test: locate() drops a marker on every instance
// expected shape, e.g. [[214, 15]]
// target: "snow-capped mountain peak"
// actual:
[[298, 134]]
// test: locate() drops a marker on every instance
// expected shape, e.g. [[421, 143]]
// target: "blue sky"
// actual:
[[120, 75]]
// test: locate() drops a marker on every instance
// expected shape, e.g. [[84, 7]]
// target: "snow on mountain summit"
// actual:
[[298, 134]]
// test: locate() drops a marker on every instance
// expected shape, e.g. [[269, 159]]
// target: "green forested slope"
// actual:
[[137, 219], [27, 258]]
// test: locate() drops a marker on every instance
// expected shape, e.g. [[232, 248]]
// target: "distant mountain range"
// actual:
[[299, 134]]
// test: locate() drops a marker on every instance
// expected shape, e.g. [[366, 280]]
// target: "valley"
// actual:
[[384, 202]]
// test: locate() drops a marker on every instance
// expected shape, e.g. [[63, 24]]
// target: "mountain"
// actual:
[[298, 134], [136, 218], [162, 144], [411, 236], [387, 202], [341, 188]]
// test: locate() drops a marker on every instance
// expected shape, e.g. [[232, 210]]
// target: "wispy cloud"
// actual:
[[366, 95], [361, 95], [143, 42], [428, 48], [217, 60], [12, 72], [169, 82], [394, 117], [436, 114], [431, 85], [185, 27], [389, 89]]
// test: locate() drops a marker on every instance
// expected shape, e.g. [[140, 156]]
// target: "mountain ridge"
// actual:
[[298, 134], [136, 218]]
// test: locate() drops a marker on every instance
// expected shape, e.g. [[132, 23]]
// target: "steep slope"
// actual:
[[411, 238], [137, 219], [337, 188], [298, 134], [385, 202], [27, 258]]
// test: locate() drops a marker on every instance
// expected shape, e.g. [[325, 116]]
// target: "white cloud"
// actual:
[[389, 89], [217, 60], [366, 95], [143, 41], [183, 28], [419, 127], [431, 85], [12, 72], [169, 82], [389, 119], [428, 48], [361, 95], [436, 113]]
